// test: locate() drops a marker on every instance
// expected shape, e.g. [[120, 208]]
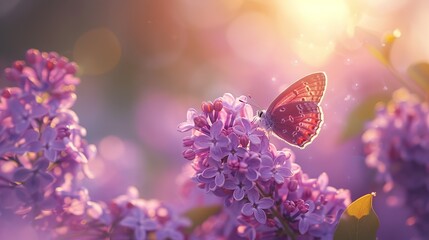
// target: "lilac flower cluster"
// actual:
[[266, 191], [42, 147], [397, 146], [44, 155], [125, 217]]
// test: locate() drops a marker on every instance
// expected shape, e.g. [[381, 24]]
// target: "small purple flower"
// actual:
[[308, 217], [139, 222], [243, 127], [216, 172], [233, 149], [232, 104], [35, 178], [256, 206], [216, 141], [170, 231], [189, 124], [240, 185], [279, 168], [48, 144], [23, 114], [250, 166]]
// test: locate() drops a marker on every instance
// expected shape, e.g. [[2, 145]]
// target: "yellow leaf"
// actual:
[[361, 207], [359, 221]]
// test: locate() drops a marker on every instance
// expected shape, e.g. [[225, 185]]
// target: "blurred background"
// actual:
[[144, 63]]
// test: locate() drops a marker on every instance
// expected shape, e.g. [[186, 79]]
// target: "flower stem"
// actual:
[[286, 228]]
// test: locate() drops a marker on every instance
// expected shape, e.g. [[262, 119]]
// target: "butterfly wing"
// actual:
[[310, 88], [297, 122]]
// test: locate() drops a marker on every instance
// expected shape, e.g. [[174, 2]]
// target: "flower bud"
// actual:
[[200, 122], [32, 56], [303, 208], [289, 206], [189, 154], [19, 65], [207, 107], [217, 105], [50, 64], [244, 141], [71, 68], [292, 185], [188, 141]]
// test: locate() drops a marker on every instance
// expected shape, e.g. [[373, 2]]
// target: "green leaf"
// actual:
[[198, 215], [359, 221], [419, 72], [360, 114]]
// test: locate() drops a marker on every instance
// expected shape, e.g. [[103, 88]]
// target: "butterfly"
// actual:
[[295, 115]]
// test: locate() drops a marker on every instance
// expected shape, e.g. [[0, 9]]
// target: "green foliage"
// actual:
[[359, 221], [198, 215], [363, 112], [419, 73]]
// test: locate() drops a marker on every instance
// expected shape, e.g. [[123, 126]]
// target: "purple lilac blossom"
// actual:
[[44, 156], [397, 146], [42, 146], [265, 193]]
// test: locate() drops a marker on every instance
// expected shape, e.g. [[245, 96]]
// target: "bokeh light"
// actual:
[[97, 51], [314, 27], [252, 31]]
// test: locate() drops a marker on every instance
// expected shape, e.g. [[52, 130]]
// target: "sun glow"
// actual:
[[315, 27]]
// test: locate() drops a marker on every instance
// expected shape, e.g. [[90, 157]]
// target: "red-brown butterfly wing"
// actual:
[[297, 122], [310, 88]]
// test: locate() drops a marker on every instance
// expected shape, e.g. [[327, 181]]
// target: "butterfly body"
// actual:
[[295, 115]]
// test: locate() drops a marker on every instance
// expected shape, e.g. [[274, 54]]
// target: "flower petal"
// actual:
[[239, 129], [203, 141], [260, 216], [38, 110], [247, 209], [58, 145], [216, 128], [285, 172], [265, 203], [303, 226], [230, 184], [140, 233], [253, 195], [266, 160], [254, 139], [21, 174], [50, 154], [129, 221], [252, 174], [149, 224], [266, 173], [238, 194], [48, 135], [220, 179], [185, 126], [41, 164], [314, 218], [323, 181], [210, 172]]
